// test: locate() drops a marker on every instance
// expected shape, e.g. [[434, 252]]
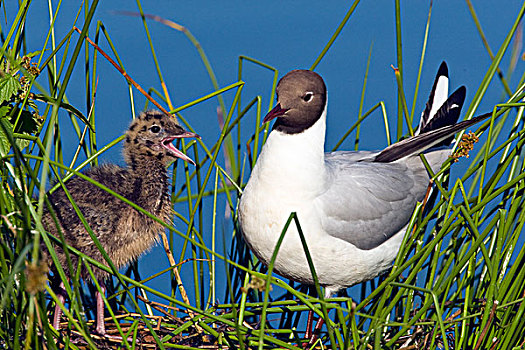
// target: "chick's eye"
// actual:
[[308, 97], [155, 129]]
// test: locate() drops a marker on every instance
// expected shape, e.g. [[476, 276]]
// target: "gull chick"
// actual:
[[124, 232]]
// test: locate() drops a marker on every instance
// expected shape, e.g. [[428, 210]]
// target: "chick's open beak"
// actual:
[[167, 143]]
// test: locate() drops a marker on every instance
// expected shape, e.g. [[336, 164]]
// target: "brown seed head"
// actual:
[[465, 145]]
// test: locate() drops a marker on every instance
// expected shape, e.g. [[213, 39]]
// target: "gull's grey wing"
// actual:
[[367, 202]]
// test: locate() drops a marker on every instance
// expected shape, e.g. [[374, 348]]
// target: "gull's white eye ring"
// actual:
[[308, 96]]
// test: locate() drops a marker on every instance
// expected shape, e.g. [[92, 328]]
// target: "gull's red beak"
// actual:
[[277, 111]]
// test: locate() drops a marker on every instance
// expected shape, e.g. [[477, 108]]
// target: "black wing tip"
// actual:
[[481, 117], [443, 70], [448, 113], [458, 96]]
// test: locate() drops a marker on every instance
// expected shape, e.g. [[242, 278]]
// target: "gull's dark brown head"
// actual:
[[301, 100], [151, 136]]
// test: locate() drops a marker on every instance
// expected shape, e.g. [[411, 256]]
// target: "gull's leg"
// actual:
[[308, 333], [58, 311], [101, 327], [313, 336], [316, 331]]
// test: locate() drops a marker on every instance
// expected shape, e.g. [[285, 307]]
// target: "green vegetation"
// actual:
[[458, 281]]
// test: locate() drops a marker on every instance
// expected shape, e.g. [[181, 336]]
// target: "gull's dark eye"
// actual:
[[155, 129], [308, 96]]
